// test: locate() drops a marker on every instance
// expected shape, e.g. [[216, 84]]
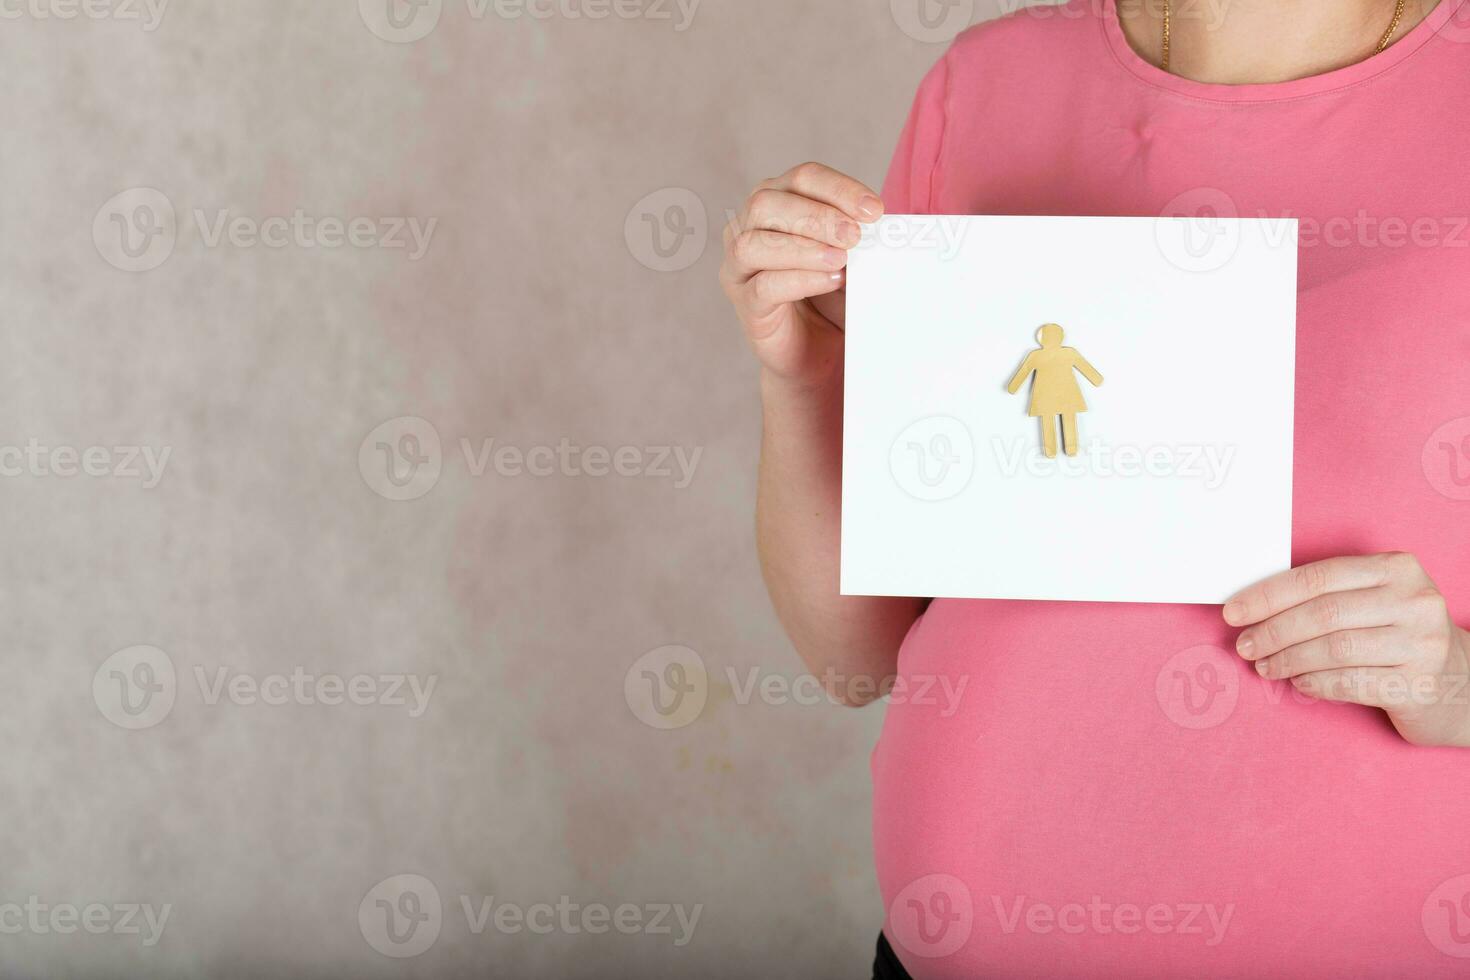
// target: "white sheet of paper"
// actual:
[[1181, 491]]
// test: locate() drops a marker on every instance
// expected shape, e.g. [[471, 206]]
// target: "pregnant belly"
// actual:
[[1091, 790]]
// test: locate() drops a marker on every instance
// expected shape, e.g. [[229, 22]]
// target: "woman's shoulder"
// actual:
[[1018, 79], [1044, 36]]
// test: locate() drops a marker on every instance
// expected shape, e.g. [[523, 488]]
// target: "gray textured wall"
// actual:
[[211, 652]]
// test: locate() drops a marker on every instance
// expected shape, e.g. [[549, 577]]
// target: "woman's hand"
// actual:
[[784, 259], [1372, 630]]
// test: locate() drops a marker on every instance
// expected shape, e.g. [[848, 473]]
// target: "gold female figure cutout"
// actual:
[[1055, 391]]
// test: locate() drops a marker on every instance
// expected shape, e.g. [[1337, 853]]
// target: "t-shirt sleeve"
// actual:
[[912, 183]]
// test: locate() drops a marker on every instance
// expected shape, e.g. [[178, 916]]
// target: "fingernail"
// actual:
[[870, 208], [1233, 611], [1245, 645], [1262, 666], [834, 256], [849, 233], [837, 276]]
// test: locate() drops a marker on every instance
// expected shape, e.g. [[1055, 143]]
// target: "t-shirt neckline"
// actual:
[[1439, 19]]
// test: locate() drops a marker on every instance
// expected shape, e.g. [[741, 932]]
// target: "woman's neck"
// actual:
[[1239, 42]]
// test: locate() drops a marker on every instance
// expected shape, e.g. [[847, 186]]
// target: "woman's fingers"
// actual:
[[1377, 687], [822, 183], [769, 290], [753, 252], [1321, 616], [1379, 646], [783, 269], [773, 210], [1295, 586]]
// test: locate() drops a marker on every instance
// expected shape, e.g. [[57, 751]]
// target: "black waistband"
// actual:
[[886, 965]]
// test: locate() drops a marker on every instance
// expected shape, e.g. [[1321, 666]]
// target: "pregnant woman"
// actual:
[[1279, 787]]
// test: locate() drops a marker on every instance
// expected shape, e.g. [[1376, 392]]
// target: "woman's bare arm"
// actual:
[[850, 642], [783, 271]]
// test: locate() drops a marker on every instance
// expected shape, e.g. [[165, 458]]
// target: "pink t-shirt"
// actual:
[[1114, 792]]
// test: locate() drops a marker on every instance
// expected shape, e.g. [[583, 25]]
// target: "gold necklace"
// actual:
[[1393, 26]]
